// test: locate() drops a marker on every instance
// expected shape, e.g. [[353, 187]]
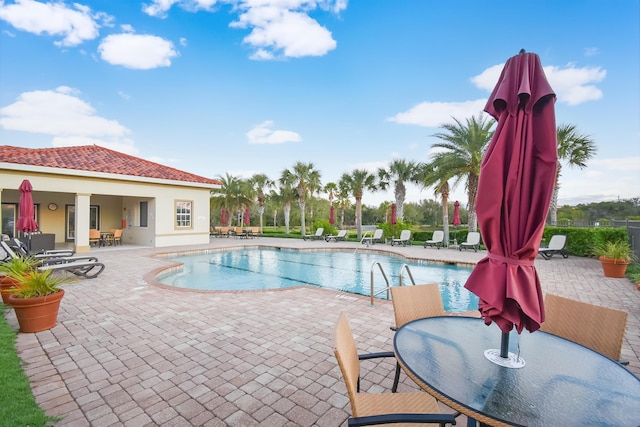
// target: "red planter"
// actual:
[[614, 267], [36, 314], [6, 283]]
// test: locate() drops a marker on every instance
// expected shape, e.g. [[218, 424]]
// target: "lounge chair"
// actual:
[[473, 242], [599, 328], [319, 235], [437, 240], [557, 245], [44, 259], [19, 246], [380, 408], [85, 266], [341, 236], [375, 238], [405, 236]]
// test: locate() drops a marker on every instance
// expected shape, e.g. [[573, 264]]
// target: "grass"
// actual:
[[17, 405]]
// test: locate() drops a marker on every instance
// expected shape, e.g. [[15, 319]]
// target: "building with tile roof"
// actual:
[[76, 189]]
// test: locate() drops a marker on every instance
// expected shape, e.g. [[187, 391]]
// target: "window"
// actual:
[[183, 214], [144, 207]]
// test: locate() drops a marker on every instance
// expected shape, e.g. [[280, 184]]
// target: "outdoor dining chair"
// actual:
[[380, 408], [599, 328]]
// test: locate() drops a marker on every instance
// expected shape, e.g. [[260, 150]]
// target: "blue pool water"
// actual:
[[256, 269]]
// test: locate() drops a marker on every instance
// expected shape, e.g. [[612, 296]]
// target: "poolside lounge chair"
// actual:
[[557, 245], [599, 328], [473, 241], [319, 235], [437, 240], [404, 239], [376, 237], [380, 408], [19, 246], [342, 235]]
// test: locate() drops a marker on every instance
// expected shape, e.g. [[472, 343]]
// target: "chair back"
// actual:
[[342, 233], [8, 250], [378, 233], [558, 242], [346, 353], [94, 234], [473, 238], [599, 328], [413, 302], [319, 231], [405, 235], [438, 236], [117, 233]]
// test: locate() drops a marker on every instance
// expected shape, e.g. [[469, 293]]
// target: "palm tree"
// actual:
[[461, 156], [399, 171], [575, 149], [356, 182], [306, 180], [343, 201], [431, 177], [231, 196], [286, 195], [261, 183]]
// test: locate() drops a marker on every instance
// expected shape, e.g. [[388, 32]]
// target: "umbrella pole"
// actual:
[[504, 345]]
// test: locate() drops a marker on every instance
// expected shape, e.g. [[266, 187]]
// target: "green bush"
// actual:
[[582, 241], [324, 223]]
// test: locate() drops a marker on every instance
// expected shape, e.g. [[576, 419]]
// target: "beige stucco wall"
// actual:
[[118, 199]]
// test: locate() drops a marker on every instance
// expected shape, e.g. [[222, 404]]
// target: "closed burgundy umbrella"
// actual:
[[514, 191], [26, 223], [223, 216], [247, 219], [456, 214], [332, 215], [394, 214]]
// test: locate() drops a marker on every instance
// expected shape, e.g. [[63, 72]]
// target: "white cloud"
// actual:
[[75, 25], [278, 31], [67, 118], [572, 85], [279, 28], [139, 52], [435, 114], [264, 134]]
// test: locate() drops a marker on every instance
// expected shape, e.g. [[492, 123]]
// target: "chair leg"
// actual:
[[396, 379]]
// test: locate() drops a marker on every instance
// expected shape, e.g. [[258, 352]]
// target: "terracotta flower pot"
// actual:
[[614, 267], [36, 314], [6, 283]]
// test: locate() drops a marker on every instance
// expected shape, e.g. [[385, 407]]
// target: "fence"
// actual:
[[633, 229]]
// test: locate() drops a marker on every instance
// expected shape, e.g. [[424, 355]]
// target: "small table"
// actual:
[[562, 383], [105, 236]]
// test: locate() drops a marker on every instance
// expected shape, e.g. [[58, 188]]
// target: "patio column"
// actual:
[[82, 223]]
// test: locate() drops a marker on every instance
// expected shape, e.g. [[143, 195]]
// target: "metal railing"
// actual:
[[388, 287]]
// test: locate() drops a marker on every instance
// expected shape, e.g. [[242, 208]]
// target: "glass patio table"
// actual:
[[561, 384]]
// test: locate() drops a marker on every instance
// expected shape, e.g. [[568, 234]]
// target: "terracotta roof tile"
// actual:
[[94, 158]]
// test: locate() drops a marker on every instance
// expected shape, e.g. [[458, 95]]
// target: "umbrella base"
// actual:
[[513, 361]]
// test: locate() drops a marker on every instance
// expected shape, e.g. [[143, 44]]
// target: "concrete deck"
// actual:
[[128, 353]]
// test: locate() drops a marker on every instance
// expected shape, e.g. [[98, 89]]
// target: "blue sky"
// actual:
[[246, 86]]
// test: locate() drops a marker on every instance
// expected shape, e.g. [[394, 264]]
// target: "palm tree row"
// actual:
[[456, 159]]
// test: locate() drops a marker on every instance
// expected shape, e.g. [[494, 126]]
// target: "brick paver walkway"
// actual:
[[129, 353]]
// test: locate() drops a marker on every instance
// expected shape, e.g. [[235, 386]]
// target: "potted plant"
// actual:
[[11, 271], [36, 300], [614, 256]]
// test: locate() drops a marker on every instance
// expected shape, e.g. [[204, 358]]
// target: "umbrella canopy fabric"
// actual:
[[223, 216], [26, 223], [247, 219], [514, 191], [456, 213], [332, 215], [394, 219]]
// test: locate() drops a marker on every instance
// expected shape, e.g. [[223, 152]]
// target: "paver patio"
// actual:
[[128, 353]]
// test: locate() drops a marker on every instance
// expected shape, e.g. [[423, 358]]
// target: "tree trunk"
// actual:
[[359, 216], [445, 217], [302, 225], [553, 207], [400, 194], [260, 212], [287, 214], [472, 192]]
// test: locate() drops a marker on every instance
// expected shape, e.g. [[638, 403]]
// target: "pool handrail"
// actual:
[[385, 279]]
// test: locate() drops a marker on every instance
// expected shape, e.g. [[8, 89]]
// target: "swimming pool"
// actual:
[[273, 268]]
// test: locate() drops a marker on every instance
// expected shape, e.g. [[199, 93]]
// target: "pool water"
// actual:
[[259, 269]]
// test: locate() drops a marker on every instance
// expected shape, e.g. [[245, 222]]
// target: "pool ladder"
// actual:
[[388, 287]]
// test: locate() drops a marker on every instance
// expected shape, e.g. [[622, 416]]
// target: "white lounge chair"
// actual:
[[342, 235], [473, 242], [403, 240], [437, 240], [557, 245], [377, 237], [319, 235]]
